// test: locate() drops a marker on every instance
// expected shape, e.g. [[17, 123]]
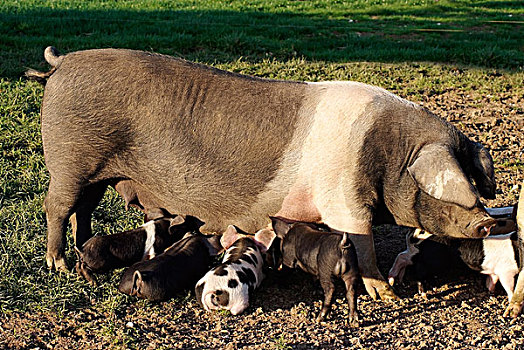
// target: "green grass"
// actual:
[[378, 42], [462, 32]]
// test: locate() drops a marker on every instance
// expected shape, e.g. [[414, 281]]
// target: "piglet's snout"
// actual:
[[213, 300]]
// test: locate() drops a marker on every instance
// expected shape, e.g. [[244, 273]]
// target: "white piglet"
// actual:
[[228, 285]]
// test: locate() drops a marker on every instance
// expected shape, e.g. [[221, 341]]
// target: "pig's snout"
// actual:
[[217, 299], [483, 228]]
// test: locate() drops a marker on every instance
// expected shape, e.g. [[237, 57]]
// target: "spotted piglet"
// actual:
[[104, 253], [228, 285], [327, 255]]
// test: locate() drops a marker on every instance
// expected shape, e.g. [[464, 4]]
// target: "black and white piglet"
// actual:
[[228, 285], [104, 253], [494, 256], [326, 255], [175, 270]]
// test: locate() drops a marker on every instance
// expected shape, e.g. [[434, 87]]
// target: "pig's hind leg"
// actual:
[[351, 285], [328, 286], [59, 205], [63, 199]]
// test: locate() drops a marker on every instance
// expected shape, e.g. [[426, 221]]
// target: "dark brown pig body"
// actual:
[[325, 255], [175, 270], [233, 149]]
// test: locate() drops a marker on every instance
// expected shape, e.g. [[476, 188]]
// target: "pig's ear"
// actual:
[[229, 237], [154, 213], [194, 222], [174, 223], [280, 226], [437, 173], [483, 170], [264, 238]]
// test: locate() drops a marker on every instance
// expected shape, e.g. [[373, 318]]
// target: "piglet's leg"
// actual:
[[81, 218], [329, 287], [508, 283], [397, 271], [491, 281], [351, 296]]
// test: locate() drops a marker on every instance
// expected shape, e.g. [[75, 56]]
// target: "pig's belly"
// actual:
[[298, 205]]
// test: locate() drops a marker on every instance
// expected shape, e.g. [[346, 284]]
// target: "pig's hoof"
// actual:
[[58, 264], [379, 289], [513, 309], [388, 294]]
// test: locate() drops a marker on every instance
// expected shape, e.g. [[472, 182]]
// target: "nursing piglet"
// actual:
[[228, 285], [104, 253], [177, 269], [494, 256], [326, 255]]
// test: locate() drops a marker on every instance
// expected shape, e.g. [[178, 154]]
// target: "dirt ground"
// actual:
[[458, 311]]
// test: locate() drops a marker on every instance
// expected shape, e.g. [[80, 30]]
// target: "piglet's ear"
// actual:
[[437, 173], [264, 238], [79, 253], [177, 220], [280, 226], [174, 224], [229, 237], [153, 214]]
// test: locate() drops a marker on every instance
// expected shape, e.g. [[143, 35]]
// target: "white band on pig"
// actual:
[[149, 250]]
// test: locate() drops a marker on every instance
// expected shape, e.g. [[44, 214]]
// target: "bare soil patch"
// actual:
[[457, 313]]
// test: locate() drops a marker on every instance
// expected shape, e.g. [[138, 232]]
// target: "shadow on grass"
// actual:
[[458, 35]]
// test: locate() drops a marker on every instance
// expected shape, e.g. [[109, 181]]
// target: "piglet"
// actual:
[[326, 255], [494, 256], [177, 269], [228, 285], [104, 253]]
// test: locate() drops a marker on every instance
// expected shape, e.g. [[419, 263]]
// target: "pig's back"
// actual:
[[188, 133]]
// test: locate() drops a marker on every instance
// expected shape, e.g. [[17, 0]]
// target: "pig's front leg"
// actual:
[[374, 282], [517, 300], [362, 238]]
